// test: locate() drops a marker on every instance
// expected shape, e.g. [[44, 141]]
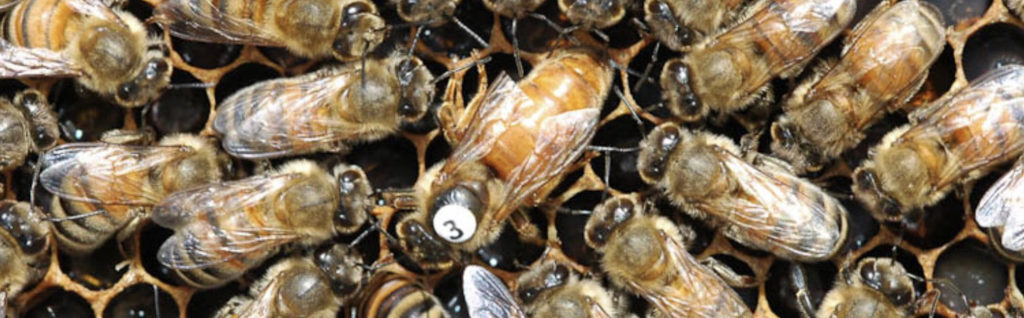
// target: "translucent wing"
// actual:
[[1013, 232], [486, 296], [778, 209], [93, 8], [16, 61], [201, 20], [288, 116], [1002, 198], [108, 173], [213, 200]]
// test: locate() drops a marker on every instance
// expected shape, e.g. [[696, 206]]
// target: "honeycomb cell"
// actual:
[[957, 12], [975, 271], [785, 279], [386, 162], [98, 270], [534, 34], [940, 77], [452, 39], [992, 47], [449, 292], [60, 303], [206, 55], [182, 109], [622, 135], [84, 116], [437, 150], [152, 238], [862, 227], [938, 225], [141, 301], [509, 252], [570, 226], [205, 303]]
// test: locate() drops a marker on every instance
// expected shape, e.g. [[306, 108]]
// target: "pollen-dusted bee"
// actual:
[[344, 29], [645, 255], [24, 248], [393, 295], [762, 205], [885, 61], [513, 144], [955, 139], [877, 287], [223, 229], [27, 125], [106, 49], [300, 287], [594, 14], [681, 23], [101, 188], [324, 111], [733, 70]]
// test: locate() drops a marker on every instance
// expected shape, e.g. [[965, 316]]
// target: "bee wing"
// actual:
[[486, 296], [284, 116], [1002, 198], [107, 173], [697, 300], [201, 20], [93, 8], [492, 118], [778, 208], [212, 200], [16, 61]]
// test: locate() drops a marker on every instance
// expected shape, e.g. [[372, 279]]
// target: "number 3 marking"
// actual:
[[453, 228], [455, 224]]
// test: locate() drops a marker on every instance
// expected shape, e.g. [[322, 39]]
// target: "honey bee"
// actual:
[[486, 296], [393, 295], [106, 49], [954, 140], [300, 287], [24, 248], [593, 14], [878, 287], [762, 205], [27, 124], [224, 229], [884, 63], [513, 143], [645, 255], [345, 29], [546, 290], [324, 111], [733, 70], [997, 208], [681, 23], [101, 189]]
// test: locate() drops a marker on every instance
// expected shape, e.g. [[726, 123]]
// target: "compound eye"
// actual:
[[454, 214], [527, 295], [127, 91], [354, 10]]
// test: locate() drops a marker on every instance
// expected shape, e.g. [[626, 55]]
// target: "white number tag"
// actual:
[[454, 223]]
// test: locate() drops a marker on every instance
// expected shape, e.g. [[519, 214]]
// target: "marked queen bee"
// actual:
[[956, 139], [762, 205], [345, 29], [101, 189], [24, 248], [324, 111], [224, 229], [733, 70], [106, 49], [884, 63], [27, 125]]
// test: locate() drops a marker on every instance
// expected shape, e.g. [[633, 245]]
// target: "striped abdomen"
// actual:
[[41, 24], [395, 296]]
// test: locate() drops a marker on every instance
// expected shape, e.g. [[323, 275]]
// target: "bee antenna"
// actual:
[[156, 300], [403, 67], [641, 26], [515, 47], [649, 67], [35, 181], [612, 149], [190, 85], [469, 31], [459, 69], [601, 35], [943, 282], [75, 217], [632, 111]]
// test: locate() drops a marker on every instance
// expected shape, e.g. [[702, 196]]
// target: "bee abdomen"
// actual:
[[400, 298]]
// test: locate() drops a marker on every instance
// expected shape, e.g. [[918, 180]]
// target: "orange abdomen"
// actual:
[[41, 24]]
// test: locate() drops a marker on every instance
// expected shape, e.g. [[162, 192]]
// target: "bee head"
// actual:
[[23, 224], [544, 277], [422, 246], [655, 151], [789, 144], [677, 91], [897, 181], [868, 191], [361, 30], [355, 201], [664, 24], [593, 14], [430, 12], [303, 290], [888, 277], [44, 128], [607, 217], [343, 267], [148, 84], [417, 87]]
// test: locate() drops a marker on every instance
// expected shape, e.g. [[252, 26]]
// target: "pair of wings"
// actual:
[[981, 125], [204, 21], [212, 222], [284, 116], [487, 297], [1003, 205], [23, 62], [560, 141], [108, 174], [777, 206]]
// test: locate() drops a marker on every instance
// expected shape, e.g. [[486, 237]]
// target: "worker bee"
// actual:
[[955, 139], [878, 287], [546, 290], [644, 254], [300, 287], [345, 29], [733, 71], [681, 23], [24, 248], [762, 205], [593, 14], [393, 295], [27, 124], [513, 144], [884, 63], [998, 207], [326, 110], [487, 296], [101, 189], [224, 229], [106, 49]]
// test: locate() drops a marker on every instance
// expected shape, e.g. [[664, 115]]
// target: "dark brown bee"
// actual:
[[24, 249], [27, 125]]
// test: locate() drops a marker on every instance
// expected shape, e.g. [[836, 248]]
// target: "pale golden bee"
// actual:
[[956, 139], [553, 290], [733, 70], [393, 295], [106, 49], [513, 9], [344, 29], [324, 111], [224, 229], [24, 249], [302, 287], [877, 287], [645, 255], [27, 125], [884, 63], [760, 204], [678, 24], [101, 189], [594, 14]]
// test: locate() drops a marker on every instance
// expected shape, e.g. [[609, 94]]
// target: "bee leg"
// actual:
[[528, 232], [732, 278], [798, 278], [130, 228]]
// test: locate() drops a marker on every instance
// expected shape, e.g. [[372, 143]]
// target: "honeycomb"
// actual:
[[951, 254]]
